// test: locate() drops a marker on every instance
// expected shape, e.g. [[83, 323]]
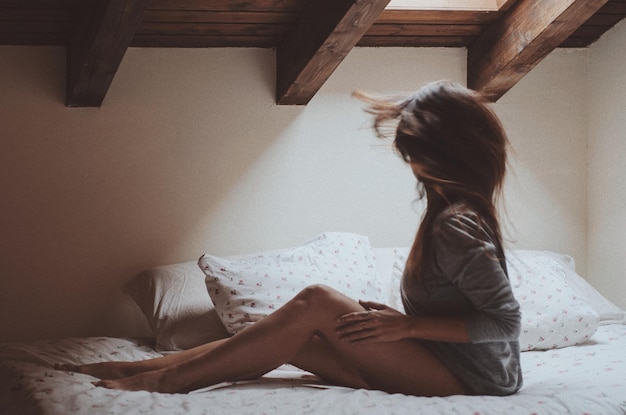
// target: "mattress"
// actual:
[[585, 379]]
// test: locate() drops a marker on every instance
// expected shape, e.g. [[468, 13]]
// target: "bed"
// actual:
[[574, 339]]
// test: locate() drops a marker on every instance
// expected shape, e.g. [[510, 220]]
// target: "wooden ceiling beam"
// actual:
[[97, 46], [526, 34], [504, 5], [320, 39]]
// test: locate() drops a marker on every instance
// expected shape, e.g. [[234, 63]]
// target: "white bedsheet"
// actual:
[[587, 379]]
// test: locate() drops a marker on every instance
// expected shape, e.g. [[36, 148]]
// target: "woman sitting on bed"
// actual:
[[460, 333]]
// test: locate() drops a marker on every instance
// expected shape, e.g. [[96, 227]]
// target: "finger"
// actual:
[[360, 337], [355, 334], [351, 327], [373, 305], [354, 328], [354, 316], [369, 335]]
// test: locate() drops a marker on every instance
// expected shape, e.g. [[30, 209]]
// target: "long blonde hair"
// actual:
[[458, 143]]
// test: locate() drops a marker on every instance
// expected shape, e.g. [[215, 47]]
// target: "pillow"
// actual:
[[384, 258], [179, 311], [609, 313], [247, 288], [554, 315], [395, 298]]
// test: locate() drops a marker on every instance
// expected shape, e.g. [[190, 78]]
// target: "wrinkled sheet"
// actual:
[[585, 379]]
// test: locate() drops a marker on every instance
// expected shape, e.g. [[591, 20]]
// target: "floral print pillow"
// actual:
[[554, 315], [247, 288]]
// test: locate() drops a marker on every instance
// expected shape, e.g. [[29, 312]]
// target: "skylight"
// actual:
[[445, 4]]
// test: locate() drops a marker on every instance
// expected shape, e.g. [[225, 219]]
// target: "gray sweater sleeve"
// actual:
[[465, 253]]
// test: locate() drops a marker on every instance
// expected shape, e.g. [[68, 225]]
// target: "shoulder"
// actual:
[[460, 221], [460, 236]]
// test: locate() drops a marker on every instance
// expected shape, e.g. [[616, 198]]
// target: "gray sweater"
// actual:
[[463, 275]]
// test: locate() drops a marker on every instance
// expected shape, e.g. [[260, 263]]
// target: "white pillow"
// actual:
[[395, 298], [554, 315], [174, 300], [609, 313], [384, 264], [554, 312], [247, 288]]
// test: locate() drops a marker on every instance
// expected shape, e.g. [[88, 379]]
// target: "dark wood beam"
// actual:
[[321, 38], [97, 46], [526, 34], [504, 5]]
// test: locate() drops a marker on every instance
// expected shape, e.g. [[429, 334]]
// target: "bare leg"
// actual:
[[403, 366], [116, 370]]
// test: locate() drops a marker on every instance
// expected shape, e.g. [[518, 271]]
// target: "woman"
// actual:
[[460, 333]]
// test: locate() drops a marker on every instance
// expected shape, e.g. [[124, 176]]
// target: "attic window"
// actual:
[[446, 4]]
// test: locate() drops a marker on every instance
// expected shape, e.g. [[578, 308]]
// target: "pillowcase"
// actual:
[[247, 288], [395, 298], [554, 313], [179, 311], [609, 313]]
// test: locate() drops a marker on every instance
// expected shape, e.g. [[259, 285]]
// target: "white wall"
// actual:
[[189, 153], [545, 115], [607, 164]]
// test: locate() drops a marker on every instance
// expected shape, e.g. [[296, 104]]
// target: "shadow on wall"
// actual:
[[93, 196]]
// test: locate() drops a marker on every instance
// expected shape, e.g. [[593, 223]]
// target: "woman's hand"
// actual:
[[378, 323]]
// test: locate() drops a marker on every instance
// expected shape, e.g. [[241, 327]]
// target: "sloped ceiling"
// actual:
[[311, 37]]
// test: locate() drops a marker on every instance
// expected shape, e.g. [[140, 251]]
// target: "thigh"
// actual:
[[319, 358], [404, 366], [396, 367]]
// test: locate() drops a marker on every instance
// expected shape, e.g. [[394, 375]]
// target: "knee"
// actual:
[[322, 304], [319, 295]]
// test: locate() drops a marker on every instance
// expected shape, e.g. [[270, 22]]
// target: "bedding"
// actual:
[[177, 306], [586, 379], [584, 375], [559, 308], [247, 288]]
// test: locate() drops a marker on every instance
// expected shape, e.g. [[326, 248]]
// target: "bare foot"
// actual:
[[103, 370], [147, 381]]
